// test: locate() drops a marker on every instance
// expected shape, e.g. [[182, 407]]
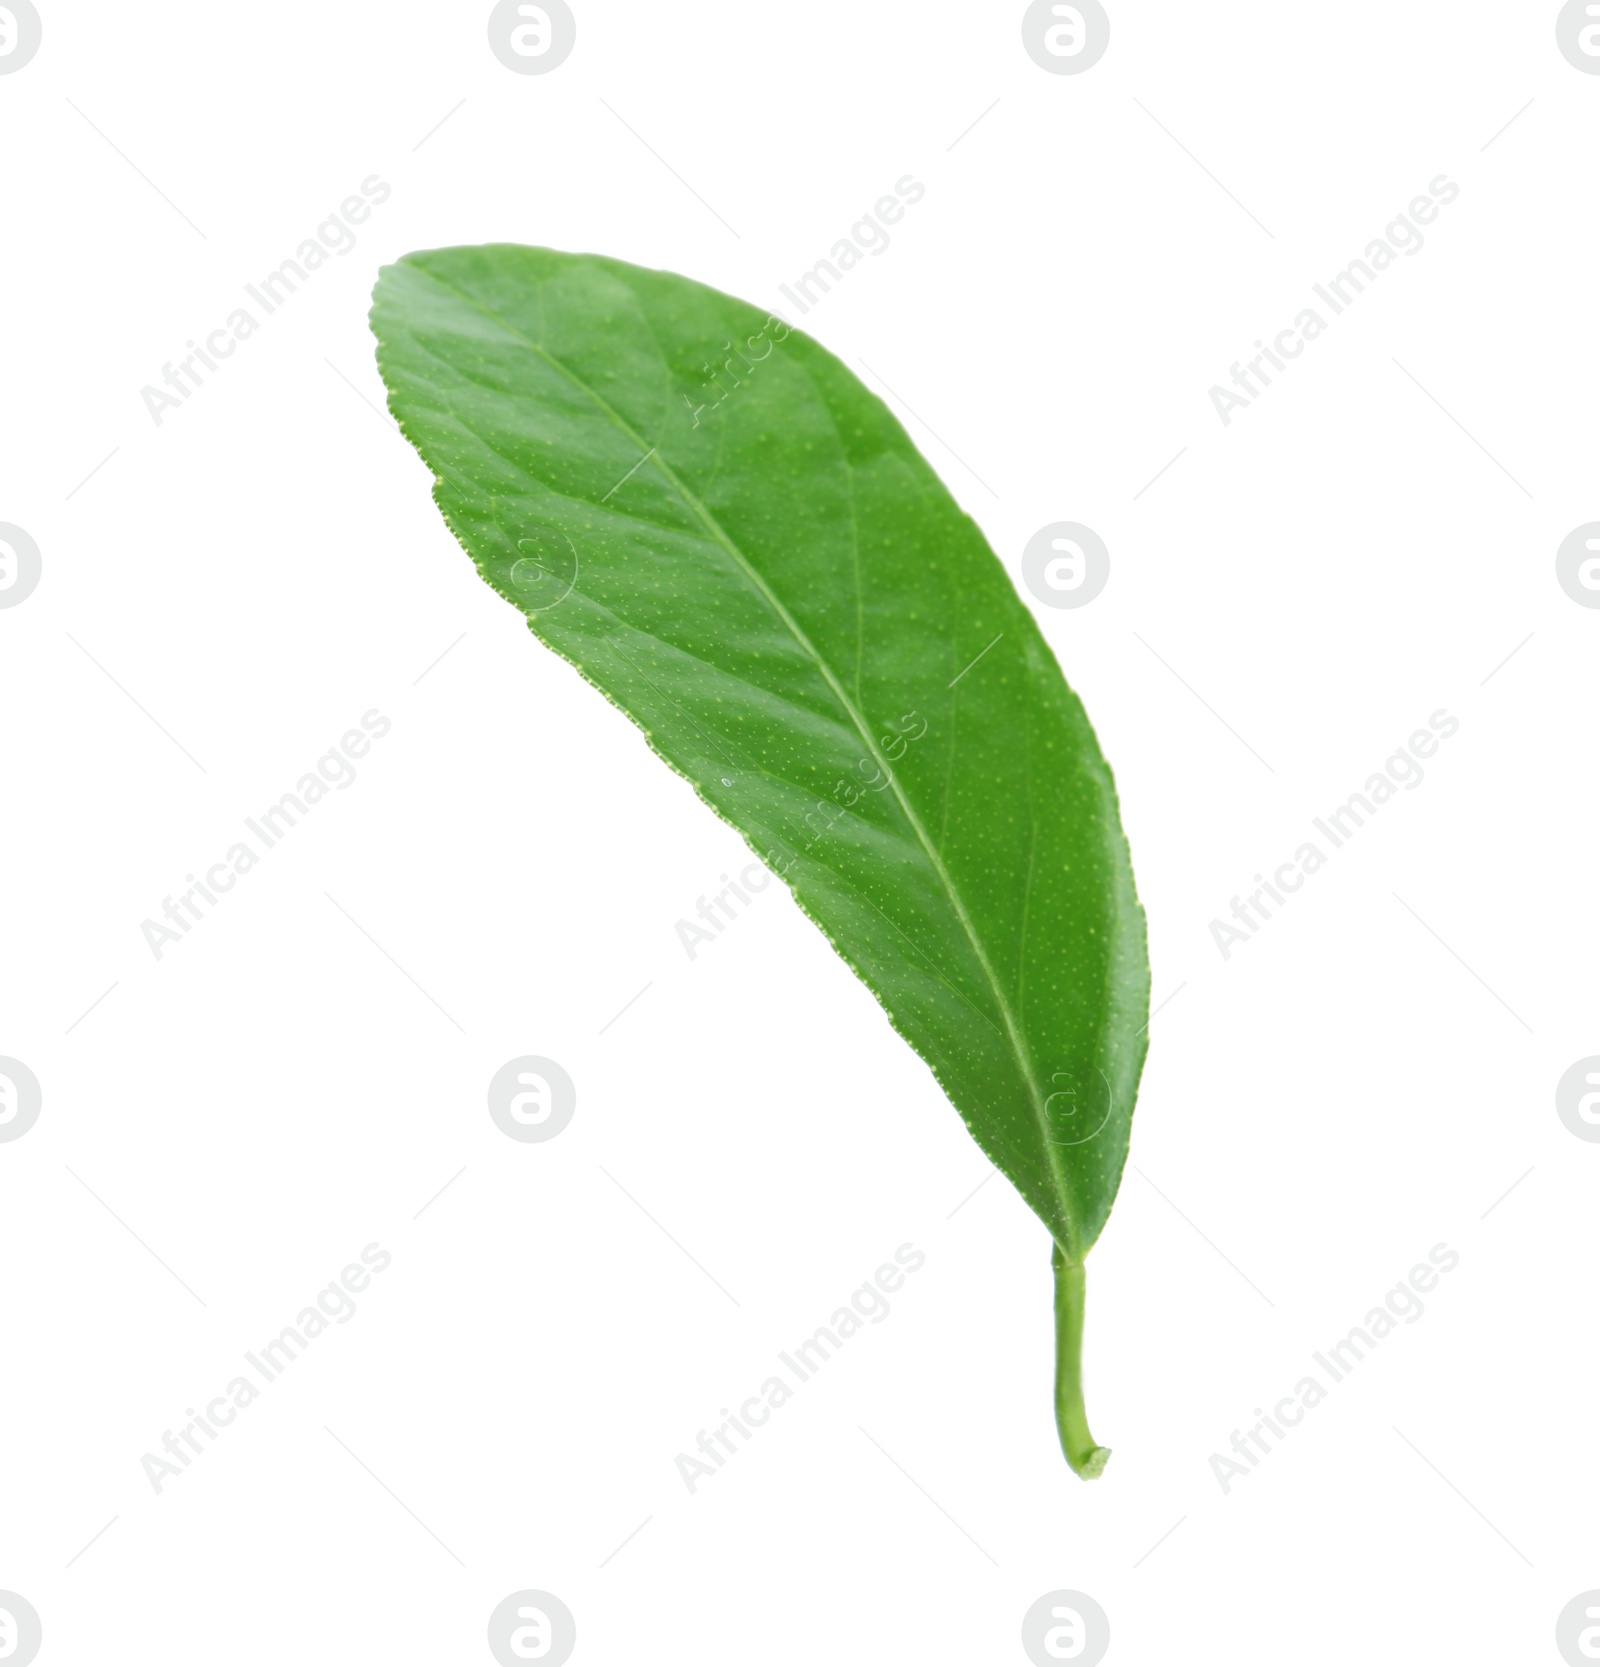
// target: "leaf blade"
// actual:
[[790, 605]]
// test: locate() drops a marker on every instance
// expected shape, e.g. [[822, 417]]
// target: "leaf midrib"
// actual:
[[792, 625]]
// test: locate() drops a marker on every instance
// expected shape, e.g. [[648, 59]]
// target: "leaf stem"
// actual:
[[1085, 1457]]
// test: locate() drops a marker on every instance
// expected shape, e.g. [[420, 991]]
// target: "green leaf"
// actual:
[[710, 517]]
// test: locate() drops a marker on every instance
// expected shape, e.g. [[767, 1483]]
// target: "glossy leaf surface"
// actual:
[[711, 518]]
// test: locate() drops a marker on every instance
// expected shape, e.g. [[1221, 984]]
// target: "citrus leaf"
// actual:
[[709, 516]]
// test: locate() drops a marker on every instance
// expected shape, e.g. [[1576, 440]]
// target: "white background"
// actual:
[[1348, 556]]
